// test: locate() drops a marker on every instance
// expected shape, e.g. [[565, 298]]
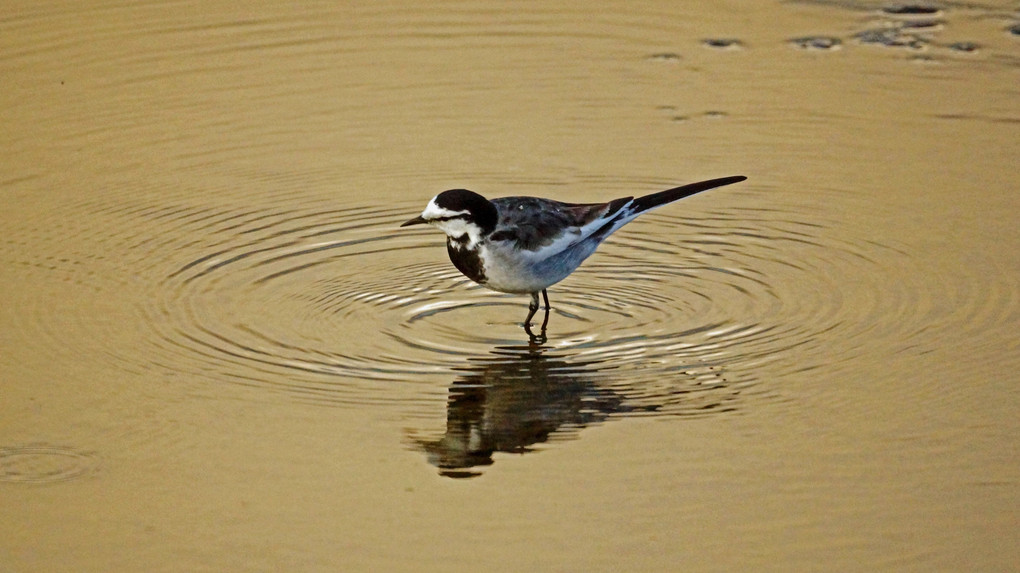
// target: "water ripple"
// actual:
[[340, 306], [45, 463], [344, 297]]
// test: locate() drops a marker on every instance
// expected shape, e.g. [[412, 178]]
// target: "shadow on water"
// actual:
[[520, 397]]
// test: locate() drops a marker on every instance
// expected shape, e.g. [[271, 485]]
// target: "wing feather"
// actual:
[[543, 228]]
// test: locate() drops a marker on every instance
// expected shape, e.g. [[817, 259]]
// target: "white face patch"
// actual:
[[454, 226], [433, 211]]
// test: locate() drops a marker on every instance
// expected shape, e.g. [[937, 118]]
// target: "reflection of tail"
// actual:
[[631, 208]]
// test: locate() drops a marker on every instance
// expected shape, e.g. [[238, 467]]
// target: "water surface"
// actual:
[[221, 352]]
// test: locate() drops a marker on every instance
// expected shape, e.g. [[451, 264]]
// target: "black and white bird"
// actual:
[[525, 245]]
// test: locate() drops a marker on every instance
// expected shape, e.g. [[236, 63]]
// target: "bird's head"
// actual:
[[465, 216]]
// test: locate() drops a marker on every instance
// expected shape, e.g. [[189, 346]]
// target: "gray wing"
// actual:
[[545, 228], [531, 223]]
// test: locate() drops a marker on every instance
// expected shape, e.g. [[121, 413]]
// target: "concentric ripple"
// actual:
[[44, 463], [331, 303], [341, 306]]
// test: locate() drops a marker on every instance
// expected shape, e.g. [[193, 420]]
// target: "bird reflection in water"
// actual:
[[515, 399]]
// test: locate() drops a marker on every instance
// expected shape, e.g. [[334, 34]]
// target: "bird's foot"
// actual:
[[533, 338]]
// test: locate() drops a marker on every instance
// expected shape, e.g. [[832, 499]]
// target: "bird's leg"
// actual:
[[545, 296], [532, 309]]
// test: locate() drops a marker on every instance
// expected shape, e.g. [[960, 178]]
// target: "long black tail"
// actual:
[[669, 195]]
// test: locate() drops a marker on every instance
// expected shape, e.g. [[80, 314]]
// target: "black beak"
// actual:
[[416, 221]]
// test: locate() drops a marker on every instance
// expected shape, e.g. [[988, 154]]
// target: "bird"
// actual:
[[524, 245]]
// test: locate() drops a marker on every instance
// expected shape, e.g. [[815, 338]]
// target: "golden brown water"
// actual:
[[219, 352]]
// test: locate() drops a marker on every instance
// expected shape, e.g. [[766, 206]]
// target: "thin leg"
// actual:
[[545, 296], [532, 309]]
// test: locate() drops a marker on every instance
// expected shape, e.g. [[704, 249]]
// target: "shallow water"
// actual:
[[221, 352]]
